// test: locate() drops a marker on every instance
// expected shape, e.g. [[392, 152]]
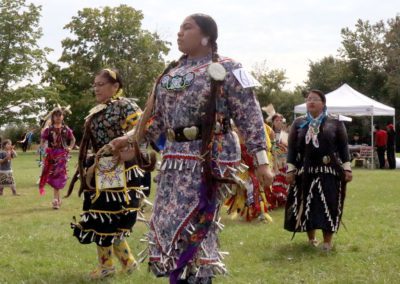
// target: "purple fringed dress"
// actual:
[[180, 98], [54, 170]]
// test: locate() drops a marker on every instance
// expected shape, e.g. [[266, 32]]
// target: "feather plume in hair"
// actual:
[[270, 111], [46, 120]]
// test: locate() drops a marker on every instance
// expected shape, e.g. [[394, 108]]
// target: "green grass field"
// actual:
[[36, 243]]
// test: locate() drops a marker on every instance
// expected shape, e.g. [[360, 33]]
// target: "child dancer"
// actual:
[[60, 140], [6, 177]]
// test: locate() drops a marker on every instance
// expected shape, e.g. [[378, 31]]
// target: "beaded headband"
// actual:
[[112, 73]]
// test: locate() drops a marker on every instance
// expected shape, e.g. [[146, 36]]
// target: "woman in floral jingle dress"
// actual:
[[109, 211]]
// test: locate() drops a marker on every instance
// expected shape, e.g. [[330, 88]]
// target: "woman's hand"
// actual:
[[119, 143], [119, 147], [290, 178], [348, 176], [264, 175], [127, 155], [9, 156]]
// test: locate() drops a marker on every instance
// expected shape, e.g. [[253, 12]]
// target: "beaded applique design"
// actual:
[[177, 82]]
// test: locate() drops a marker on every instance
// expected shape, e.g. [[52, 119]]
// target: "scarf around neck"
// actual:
[[313, 127]]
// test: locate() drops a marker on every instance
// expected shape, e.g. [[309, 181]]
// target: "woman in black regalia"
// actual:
[[318, 170]]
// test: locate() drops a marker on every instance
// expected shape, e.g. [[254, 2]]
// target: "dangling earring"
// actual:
[[204, 41]]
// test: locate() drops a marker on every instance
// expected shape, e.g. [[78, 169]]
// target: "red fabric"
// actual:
[[380, 138]]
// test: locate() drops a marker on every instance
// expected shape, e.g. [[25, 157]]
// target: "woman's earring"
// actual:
[[204, 41]]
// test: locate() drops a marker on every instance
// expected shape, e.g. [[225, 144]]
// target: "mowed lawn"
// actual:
[[36, 243]]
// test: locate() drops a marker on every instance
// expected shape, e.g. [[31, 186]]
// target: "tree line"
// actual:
[[368, 60]]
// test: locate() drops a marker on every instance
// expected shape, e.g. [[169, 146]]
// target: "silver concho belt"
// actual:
[[190, 133], [184, 134], [326, 160]]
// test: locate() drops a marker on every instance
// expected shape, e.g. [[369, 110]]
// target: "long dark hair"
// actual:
[[56, 112]]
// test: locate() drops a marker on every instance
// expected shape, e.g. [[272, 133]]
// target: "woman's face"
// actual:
[[278, 123], [315, 106], [8, 146], [103, 89], [189, 37], [58, 118]]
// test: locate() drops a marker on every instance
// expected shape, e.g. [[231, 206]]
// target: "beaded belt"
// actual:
[[184, 134], [325, 160]]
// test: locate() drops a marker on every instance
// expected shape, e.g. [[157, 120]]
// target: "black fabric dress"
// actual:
[[110, 213], [315, 200]]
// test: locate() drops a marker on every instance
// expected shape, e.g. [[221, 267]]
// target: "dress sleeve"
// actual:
[[130, 115], [342, 142], [45, 134], [246, 113], [70, 133], [292, 149]]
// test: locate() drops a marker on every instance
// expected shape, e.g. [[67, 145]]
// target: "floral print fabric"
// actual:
[[110, 213], [181, 104]]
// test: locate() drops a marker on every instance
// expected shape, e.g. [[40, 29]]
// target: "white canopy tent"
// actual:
[[347, 101]]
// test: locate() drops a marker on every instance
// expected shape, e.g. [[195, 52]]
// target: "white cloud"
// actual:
[[288, 33]]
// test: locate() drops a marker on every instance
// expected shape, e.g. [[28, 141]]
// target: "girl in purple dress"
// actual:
[[60, 140]]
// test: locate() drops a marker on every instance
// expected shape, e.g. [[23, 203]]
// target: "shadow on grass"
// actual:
[[297, 251], [64, 277], [80, 277]]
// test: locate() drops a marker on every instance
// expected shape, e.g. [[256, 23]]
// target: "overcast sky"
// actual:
[[287, 34]]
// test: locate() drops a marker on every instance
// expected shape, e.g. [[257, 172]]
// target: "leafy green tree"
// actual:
[[271, 81], [328, 74], [365, 44], [272, 90], [360, 64], [363, 49], [392, 66], [20, 60], [107, 37], [369, 62]]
